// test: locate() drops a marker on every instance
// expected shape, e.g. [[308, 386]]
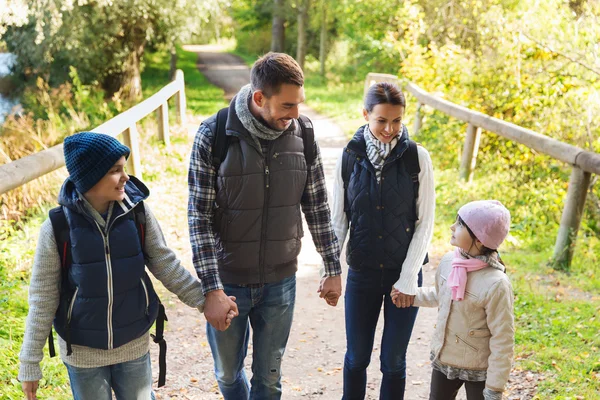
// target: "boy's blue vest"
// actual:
[[109, 299], [382, 215]]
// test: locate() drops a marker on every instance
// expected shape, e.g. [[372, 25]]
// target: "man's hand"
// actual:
[[400, 299], [330, 289], [217, 307], [30, 389]]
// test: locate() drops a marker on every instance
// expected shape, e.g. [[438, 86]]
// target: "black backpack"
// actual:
[[221, 139], [60, 226]]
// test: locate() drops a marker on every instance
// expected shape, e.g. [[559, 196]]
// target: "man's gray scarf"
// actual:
[[256, 128]]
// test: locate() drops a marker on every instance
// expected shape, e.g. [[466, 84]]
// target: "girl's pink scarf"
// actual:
[[458, 277]]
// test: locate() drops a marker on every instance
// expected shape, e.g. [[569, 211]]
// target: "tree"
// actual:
[[278, 29], [323, 37], [303, 7], [104, 39]]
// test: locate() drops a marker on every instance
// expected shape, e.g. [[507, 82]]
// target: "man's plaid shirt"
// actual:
[[202, 181]]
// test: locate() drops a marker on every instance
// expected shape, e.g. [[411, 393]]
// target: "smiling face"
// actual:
[[110, 188], [385, 121], [278, 110]]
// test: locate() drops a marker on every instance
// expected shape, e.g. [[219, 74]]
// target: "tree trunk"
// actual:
[[127, 82], [173, 63], [323, 43], [278, 29], [303, 7]]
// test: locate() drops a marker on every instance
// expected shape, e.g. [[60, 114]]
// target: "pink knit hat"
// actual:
[[488, 219]]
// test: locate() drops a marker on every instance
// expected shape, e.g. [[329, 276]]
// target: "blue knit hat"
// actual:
[[89, 156]]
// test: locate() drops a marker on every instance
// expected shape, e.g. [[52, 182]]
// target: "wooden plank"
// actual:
[[26, 169], [180, 101], [470, 149], [373, 77], [564, 247], [131, 140], [570, 154], [162, 114]]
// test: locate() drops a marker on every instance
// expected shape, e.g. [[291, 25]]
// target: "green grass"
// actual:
[[17, 243]]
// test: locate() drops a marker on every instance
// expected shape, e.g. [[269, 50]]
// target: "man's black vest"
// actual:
[[258, 223]]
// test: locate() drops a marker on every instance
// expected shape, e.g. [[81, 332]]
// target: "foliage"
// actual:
[[104, 39]]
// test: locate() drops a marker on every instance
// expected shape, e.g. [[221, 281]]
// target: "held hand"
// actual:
[[231, 314], [30, 389], [330, 289], [217, 307], [400, 299]]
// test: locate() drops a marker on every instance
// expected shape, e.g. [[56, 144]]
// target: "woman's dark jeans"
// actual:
[[366, 290]]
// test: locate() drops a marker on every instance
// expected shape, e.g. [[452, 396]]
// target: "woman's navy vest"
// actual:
[[382, 215], [109, 299]]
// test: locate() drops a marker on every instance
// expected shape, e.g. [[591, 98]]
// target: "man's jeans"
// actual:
[[131, 380], [366, 290], [269, 310]]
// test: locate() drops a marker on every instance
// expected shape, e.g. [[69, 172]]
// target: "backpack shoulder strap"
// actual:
[[308, 138], [348, 161], [411, 161], [139, 218], [220, 139], [60, 227]]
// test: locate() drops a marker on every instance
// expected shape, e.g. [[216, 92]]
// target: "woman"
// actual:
[[384, 192]]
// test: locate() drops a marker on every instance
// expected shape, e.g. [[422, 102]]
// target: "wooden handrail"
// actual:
[[26, 169]]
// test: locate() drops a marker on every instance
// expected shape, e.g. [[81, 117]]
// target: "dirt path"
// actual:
[[312, 366]]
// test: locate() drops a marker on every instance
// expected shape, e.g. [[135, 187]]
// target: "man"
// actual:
[[245, 225]]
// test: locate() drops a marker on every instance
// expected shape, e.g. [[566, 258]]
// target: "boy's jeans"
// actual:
[[366, 290], [131, 380], [270, 310]]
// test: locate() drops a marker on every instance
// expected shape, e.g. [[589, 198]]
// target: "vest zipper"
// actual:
[[72, 304], [109, 281], [146, 293], [263, 233]]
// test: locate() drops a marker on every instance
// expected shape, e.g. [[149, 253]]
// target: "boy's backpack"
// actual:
[[221, 139], [60, 226], [410, 159]]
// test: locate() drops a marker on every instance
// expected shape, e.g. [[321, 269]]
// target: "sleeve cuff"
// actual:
[[407, 286], [29, 372], [331, 268]]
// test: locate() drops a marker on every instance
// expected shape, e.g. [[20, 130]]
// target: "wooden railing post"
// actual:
[[470, 149], [180, 103], [418, 120], [579, 184], [131, 139], [162, 114]]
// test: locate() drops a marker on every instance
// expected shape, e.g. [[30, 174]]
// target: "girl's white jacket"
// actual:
[[476, 333]]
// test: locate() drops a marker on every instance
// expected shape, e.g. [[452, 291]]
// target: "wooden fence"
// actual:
[[583, 162], [26, 169]]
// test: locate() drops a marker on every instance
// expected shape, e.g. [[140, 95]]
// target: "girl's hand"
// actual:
[[30, 389], [230, 315], [402, 300]]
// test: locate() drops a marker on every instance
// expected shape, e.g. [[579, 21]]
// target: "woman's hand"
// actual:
[[30, 389], [400, 299]]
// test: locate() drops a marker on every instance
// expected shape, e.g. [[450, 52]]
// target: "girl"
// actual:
[[102, 303], [474, 335], [384, 191]]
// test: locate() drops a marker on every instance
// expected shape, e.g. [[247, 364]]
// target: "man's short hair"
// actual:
[[274, 69]]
